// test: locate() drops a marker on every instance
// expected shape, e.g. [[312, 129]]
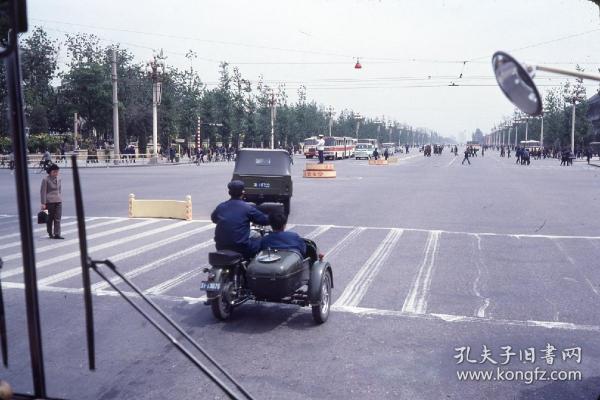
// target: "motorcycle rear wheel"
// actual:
[[221, 305]]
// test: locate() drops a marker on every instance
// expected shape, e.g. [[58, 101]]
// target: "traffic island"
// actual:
[[160, 208], [378, 162], [314, 170]]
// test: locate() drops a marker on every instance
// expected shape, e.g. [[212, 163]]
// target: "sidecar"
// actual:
[[277, 276]]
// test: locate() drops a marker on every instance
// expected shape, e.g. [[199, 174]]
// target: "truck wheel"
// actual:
[[320, 312], [220, 305], [286, 206]]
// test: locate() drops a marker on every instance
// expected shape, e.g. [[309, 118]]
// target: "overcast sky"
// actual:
[[410, 50]]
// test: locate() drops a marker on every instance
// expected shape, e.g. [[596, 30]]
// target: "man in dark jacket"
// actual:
[[51, 199], [280, 239], [233, 218]]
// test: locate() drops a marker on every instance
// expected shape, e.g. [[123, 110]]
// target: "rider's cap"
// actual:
[[320, 135], [236, 187]]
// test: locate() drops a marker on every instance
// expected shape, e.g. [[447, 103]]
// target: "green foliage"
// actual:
[[42, 142], [242, 110]]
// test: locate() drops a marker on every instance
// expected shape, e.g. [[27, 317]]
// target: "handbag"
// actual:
[[42, 217]]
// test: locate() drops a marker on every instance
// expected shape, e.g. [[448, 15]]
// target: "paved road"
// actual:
[[429, 256]]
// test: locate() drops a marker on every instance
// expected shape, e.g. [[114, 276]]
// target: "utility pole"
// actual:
[[273, 112], [330, 113], [155, 68], [198, 137], [115, 100], [526, 128], [359, 118], [75, 126], [542, 132], [573, 127], [516, 134]]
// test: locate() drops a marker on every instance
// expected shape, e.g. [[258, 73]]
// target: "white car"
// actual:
[[364, 150]]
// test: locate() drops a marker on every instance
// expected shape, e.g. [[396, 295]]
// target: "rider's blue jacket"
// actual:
[[233, 219], [284, 240]]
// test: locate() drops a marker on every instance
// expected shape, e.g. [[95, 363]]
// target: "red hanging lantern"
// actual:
[[357, 65]]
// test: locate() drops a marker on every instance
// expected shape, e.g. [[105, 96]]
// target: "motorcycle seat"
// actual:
[[223, 258]]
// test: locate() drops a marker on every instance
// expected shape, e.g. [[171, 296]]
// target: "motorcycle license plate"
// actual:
[[210, 286]]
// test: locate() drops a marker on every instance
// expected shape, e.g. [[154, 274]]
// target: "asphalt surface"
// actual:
[[428, 256]]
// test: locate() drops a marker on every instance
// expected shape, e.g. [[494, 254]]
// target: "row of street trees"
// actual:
[[242, 109]]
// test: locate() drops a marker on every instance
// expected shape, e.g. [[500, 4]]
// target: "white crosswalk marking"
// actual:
[[67, 256], [357, 288], [172, 270], [69, 273], [63, 243], [318, 231], [155, 264], [88, 227], [38, 230], [178, 280], [416, 301], [339, 246]]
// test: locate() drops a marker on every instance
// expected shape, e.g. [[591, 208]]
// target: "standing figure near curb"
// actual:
[[466, 157], [51, 199]]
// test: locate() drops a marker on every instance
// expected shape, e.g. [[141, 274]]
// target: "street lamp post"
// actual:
[[155, 69], [359, 118]]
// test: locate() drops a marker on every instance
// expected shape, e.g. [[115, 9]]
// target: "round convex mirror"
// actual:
[[516, 83]]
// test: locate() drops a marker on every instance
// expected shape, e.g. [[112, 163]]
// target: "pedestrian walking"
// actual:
[[466, 157], [51, 200], [386, 154]]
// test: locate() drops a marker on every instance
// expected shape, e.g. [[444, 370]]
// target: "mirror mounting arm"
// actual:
[[559, 71]]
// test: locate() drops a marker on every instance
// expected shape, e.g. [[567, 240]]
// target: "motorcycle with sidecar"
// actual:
[[277, 276]]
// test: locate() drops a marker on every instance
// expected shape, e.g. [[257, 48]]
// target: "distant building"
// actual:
[[477, 136], [593, 113]]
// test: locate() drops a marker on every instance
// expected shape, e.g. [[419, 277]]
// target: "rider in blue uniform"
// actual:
[[233, 218], [280, 239]]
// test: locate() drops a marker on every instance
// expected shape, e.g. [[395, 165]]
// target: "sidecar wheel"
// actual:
[[320, 312]]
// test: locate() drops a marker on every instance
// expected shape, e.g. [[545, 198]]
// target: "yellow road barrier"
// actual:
[[319, 167], [319, 174], [160, 208], [315, 170], [392, 160], [378, 162]]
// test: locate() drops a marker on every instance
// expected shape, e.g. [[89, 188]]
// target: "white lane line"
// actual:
[[175, 281], [360, 311], [74, 271], [387, 228], [19, 270], [486, 300], [594, 289], [108, 293], [356, 289], [467, 319], [64, 243], [157, 263], [318, 231], [452, 162], [88, 227], [513, 235], [573, 263], [416, 300], [339, 246], [38, 230]]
